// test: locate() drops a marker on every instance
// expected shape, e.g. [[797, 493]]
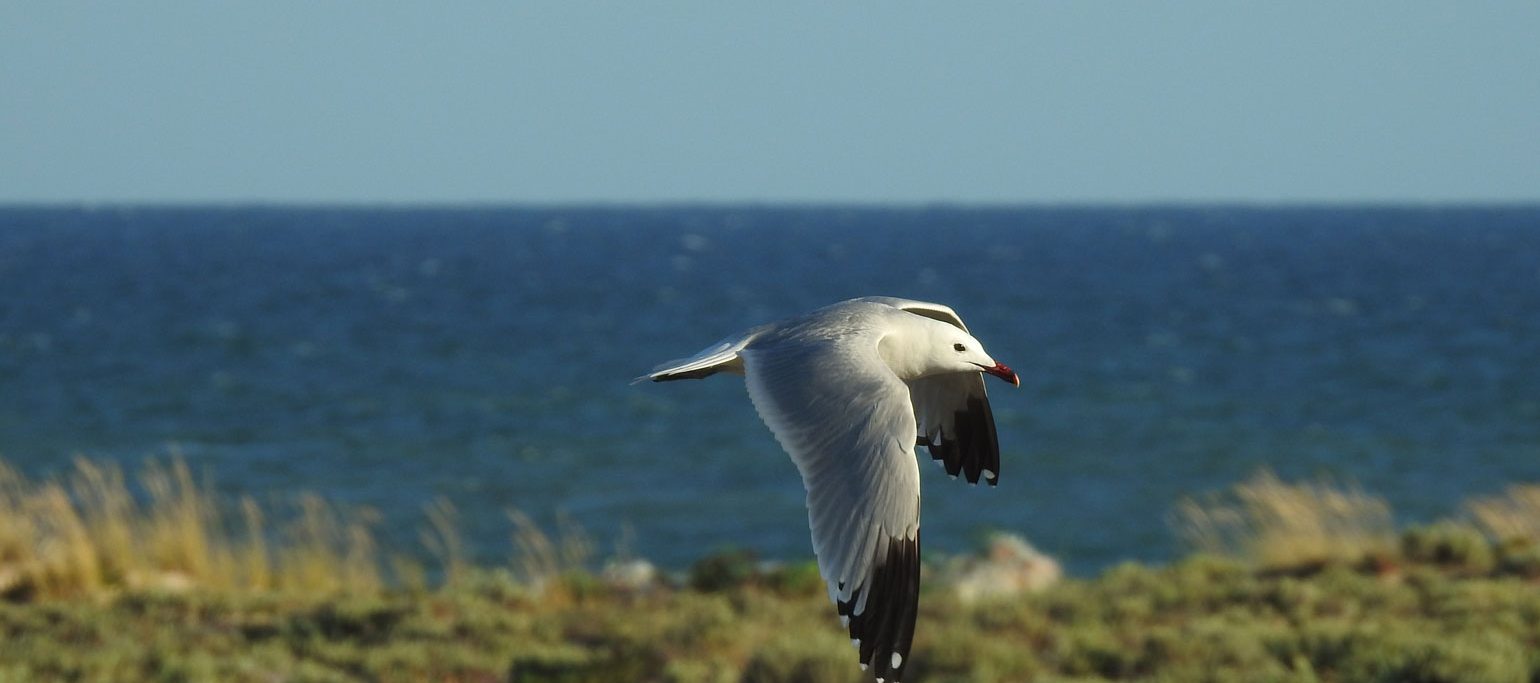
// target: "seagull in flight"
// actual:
[[849, 391]]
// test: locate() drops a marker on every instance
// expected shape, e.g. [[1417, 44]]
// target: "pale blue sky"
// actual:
[[769, 101]]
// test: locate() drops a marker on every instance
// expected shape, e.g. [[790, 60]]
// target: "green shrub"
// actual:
[[796, 658], [1404, 656], [724, 570], [1449, 545], [1519, 557], [795, 578]]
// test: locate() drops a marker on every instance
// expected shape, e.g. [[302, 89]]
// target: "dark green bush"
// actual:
[[1519, 557], [1449, 545], [723, 570]]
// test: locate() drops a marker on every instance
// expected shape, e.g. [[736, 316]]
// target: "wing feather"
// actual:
[[957, 425], [921, 308], [848, 424]]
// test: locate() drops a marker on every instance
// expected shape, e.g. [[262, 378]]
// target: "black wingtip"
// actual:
[[973, 450], [884, 630]]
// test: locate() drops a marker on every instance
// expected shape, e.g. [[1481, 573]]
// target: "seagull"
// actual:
[[849, 391]]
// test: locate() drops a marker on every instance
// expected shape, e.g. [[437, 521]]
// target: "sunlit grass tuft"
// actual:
[[329, 551], [253, 555], [1512, 516], [543, 562], [87, 533], [1278, 525], [181, 528], [94, 531], [442, 539], [1512, 521]]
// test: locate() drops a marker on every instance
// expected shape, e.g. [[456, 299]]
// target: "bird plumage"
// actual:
[[849, 390]]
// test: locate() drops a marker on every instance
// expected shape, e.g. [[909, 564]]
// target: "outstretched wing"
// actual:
[[847, 423], [921, 308]]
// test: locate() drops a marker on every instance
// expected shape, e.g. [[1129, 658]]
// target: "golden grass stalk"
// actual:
[[107, 511], [182, 528], [64, 556], [577, 548], [328, 551], [535, 557], [409, 573], [538, 558], [442, 539], [254, 558], [1279, 525], [86, 533], [16, 542], [1511, 516]]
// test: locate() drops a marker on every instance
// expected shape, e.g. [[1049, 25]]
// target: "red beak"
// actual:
[[1005, 373]]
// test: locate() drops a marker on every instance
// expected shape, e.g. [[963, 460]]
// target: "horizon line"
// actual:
[[683, 204]]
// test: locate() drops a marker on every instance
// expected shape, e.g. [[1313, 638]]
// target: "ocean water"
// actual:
[[385, 357]]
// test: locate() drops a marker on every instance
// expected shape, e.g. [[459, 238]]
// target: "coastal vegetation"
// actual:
[[110, 577]]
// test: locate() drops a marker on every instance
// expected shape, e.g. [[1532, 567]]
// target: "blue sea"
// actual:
[[389, 356]]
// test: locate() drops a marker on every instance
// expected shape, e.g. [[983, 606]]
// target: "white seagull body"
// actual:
[[849, 390]]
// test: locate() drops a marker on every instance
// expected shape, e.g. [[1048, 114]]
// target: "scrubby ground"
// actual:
[[1300, 582], [1203, 619]]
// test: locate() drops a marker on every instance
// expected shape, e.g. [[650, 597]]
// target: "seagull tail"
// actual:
[[719, 357]]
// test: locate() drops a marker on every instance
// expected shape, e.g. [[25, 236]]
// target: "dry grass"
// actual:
[[87, 533], [539, 559], [442, 539], [187, 575], [1278, 525], [95, 532], [328, 551], [1513, 516]]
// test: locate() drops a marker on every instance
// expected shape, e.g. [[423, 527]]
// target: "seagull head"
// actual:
[[981, 362], [950, 349]]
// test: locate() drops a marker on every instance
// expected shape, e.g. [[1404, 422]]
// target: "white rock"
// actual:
[[630, 574], [1009, 566]]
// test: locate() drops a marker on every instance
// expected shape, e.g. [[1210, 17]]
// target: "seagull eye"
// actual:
[[959, 347]]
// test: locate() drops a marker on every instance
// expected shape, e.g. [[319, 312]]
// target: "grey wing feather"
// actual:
[[921, 308], [719, 357], [848, 425]]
